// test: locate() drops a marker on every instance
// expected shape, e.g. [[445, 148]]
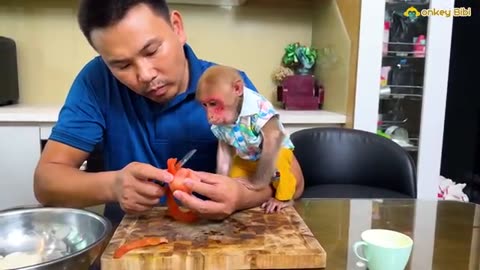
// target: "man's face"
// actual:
[[145, 52]]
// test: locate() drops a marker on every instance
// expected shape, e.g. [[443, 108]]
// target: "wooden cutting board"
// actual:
[[249, 239]]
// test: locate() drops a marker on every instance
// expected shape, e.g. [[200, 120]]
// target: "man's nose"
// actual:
[[146, 72]]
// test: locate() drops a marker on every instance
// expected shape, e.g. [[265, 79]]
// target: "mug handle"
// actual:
[[355, 249]]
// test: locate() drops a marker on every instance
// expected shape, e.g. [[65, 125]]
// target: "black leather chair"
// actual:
[[349, 163]]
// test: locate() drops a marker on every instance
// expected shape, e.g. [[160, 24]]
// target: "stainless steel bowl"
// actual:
[[52, 238]]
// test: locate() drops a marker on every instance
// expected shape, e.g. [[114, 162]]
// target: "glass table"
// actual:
[[446, 234]]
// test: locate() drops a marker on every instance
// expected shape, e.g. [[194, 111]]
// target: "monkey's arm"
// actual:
[[224, 158], [272, 142]]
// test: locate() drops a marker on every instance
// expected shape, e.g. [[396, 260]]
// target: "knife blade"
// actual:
[[186, 157], [180, 163]]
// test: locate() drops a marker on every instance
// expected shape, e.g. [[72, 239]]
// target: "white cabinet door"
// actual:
[[19, 154]]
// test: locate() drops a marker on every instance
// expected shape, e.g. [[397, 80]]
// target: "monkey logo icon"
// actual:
[[412, 13]]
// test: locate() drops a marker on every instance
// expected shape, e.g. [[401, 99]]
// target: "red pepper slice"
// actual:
[[144, 242], [177, 184]]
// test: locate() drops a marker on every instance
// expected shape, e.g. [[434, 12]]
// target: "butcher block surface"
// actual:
[[249, 239]]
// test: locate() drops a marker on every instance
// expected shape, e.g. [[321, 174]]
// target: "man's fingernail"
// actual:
[[188, 182], [177, 194], [169, 177]]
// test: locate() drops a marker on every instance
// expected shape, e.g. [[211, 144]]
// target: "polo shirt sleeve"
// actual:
[[81, 122], [266, 112]]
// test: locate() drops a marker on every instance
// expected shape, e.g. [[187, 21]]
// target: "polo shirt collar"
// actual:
[[195, 69]]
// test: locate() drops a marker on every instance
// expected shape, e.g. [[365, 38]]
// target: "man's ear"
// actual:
[[238, 87], [177, 24]]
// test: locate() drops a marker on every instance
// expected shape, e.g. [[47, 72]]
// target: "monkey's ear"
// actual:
[[238, 87]]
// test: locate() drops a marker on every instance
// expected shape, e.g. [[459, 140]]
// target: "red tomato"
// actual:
[[179, 179], [180, 174]]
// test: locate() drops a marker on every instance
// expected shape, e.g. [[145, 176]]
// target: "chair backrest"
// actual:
[[348, 156]]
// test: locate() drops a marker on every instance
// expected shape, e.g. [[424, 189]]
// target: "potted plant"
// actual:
[[296, 85], [300, 58]]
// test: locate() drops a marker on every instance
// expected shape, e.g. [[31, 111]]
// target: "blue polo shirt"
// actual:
[[100, 111]]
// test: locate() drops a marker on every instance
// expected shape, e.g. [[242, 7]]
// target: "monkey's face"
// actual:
[[218, 112], [145, 52], [222, 106]]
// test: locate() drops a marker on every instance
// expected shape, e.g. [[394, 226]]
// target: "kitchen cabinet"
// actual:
[[403, 70], [20, 151]]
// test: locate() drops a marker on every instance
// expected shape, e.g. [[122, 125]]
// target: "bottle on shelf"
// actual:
[[386, 35], [419, 47]]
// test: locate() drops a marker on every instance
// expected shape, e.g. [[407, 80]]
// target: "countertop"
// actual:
[[22, 113]]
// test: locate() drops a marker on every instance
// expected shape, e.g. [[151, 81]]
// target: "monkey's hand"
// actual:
[[273, 205]]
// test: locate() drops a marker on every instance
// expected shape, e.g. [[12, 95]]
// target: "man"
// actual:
[[136, 100]]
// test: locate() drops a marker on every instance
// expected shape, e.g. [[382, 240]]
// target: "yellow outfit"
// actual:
[[285, 186]]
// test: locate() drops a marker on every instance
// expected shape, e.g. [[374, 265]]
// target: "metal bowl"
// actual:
[[51, 238]]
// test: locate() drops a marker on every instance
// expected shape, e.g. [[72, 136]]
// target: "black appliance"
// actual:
[[9, 92]]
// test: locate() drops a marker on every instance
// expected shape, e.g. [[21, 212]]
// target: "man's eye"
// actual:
[[151, 52], [124, 66], [212, 103]]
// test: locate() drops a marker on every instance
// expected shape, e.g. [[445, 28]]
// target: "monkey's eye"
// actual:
[[212, 103]]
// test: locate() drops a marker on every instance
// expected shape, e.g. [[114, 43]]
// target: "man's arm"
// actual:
[[59, 182], [252, 198], [80, 126], [228, 195]]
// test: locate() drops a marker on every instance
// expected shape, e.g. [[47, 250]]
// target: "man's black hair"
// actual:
[[93, 14]]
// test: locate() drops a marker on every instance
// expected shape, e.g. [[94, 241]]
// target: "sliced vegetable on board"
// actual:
[[140, 243]]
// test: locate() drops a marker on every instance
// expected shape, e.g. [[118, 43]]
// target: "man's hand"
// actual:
[[255, 187], [223, 192], [133, 190]]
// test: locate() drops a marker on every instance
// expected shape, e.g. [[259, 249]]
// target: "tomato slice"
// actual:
[[171, 165], [144, 242]]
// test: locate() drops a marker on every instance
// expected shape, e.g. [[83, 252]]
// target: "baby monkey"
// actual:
[[253, 144]]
